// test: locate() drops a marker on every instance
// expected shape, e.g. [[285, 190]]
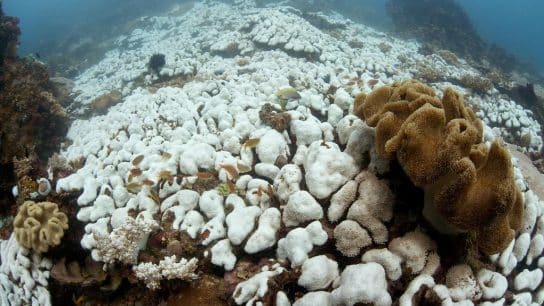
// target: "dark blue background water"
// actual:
[[517, 26]]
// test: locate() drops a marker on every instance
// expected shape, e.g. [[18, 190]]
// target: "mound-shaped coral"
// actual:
[[39, 225], [468, 186]]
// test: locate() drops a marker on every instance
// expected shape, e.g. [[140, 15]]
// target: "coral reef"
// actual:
[[87, 274], [478, 84], [168, 268], [33, 122], [9, 34], [445, 24], [39, 226], [281, 204], [468, 187], [23, 275]]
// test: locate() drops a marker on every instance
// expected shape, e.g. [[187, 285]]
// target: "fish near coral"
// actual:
[[288, 93], [438, 143]]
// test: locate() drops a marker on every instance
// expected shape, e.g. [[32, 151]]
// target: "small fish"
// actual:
[[154, 196], [231, 170], [165, 175], [205, 175], [205, 234], [137, 160], [287, 93], [148, 182], [251, 143], [372, 82], [134, 187], [135, 172]]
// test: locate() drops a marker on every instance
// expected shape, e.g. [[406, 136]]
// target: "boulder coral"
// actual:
[[469, 187], [39, 226]]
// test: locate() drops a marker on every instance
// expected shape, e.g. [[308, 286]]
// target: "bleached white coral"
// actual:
[[23, 275], [301, 207], [341, 200], [414, 249], [256, 286], [493, 284], [124, 243], [168, 268], [222, 255], [318, 272], [373, 207], [299, 242], [327, 168], [287, 181], [362, 283], [462, 284], [390, 261], [265, 235]]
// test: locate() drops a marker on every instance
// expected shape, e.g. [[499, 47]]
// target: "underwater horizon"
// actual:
[[514, 26], [271, 153]]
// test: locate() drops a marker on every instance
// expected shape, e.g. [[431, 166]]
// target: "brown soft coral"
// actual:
[[438, 143], [39, 225]]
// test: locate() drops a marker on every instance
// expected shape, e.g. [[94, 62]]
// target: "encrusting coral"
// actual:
[[468, 186], [39, 226]]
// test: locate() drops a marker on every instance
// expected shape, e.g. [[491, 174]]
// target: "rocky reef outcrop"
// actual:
[[33, 121]]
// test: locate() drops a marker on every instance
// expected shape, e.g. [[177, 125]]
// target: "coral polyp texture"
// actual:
[[39, 226], [254, 181], [439, 144]]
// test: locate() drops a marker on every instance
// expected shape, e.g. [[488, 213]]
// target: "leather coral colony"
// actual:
[[469, 187]]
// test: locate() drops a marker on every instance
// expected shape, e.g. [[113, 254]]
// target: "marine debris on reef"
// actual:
[[289, 180]]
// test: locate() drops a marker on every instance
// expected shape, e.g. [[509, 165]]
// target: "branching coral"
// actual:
[[39, 225], [123, 243], [438, 143], [168, 268]]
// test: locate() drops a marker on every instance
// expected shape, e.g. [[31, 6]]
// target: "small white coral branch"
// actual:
[[167, 268], [124, 243]]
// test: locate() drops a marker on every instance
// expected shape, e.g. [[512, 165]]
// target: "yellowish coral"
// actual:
[[438, 143], [39, 225]]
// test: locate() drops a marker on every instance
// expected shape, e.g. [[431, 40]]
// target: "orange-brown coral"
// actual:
[[438, 143], [38, 226]]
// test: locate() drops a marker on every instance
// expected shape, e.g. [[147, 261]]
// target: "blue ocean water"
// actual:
[[43, 21], [516, 26]]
